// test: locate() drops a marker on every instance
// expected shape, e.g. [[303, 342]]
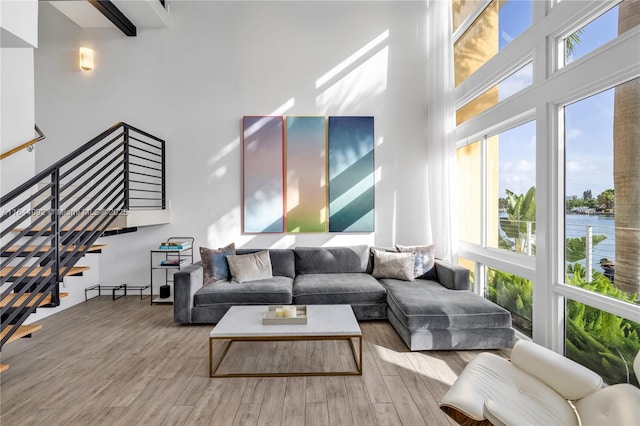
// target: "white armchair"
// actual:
[[538, 387]]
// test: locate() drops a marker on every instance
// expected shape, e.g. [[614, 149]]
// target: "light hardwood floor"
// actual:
[[125, 362]]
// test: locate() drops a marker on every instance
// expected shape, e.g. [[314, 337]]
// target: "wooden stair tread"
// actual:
[[23, 330], [10, 299], [33, 248], [76, 270]]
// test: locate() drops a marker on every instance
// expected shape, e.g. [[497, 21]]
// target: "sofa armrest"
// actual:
[[452, 276], [185, 284]]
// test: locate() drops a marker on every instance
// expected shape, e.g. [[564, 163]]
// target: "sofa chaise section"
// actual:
[[430, 316]]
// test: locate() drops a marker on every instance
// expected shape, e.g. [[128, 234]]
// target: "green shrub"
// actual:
[[601, 341]]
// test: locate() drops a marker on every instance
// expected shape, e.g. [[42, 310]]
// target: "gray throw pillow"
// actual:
[[424, 267], [393, 265], [250, 267], [214, 263]]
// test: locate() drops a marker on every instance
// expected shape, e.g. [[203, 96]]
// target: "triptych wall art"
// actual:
[[307, 174]]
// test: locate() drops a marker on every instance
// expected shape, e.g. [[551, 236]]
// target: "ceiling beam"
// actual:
[[113, 14]]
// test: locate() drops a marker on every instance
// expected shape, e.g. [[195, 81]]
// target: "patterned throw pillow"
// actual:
[[424, 266], [214, 263], [393, 265], [250, 267]]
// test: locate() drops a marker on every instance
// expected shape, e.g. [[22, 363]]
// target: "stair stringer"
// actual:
[[74, 286]]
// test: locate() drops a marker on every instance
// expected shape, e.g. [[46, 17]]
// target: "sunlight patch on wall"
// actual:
[[360, 53], [357, 87], [226, 230], [282, 109], [221, 170]]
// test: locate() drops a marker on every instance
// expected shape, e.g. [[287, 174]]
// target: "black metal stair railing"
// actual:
[[51, 221]]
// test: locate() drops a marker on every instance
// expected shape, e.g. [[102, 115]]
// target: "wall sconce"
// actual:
[[86, 59]]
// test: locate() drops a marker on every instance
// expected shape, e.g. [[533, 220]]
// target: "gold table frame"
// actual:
[[357, 355]]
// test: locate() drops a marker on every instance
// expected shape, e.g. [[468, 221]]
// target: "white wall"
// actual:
[[191, 84], [17, 115], [19, 23], [18, 36]]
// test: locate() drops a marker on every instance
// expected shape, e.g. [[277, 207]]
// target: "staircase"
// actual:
[[106, 187]]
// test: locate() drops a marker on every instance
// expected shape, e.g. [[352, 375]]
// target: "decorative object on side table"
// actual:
[[172, 255]]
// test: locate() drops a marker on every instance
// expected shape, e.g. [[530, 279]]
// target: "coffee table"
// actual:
[[324, 322]]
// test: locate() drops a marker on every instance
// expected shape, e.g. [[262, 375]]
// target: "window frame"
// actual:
[[607, 66]]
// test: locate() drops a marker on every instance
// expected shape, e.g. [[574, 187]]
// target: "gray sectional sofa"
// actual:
[[428, 314]]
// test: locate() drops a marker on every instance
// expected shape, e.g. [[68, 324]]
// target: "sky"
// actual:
[[589, 122]]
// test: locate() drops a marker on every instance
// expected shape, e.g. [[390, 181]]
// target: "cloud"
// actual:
[[521, 166], [574, 166], [572, 134], [517, 176]]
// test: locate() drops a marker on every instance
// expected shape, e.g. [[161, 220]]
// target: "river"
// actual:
[[576, 225]]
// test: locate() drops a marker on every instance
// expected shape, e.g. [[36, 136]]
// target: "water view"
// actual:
[[576, 227]]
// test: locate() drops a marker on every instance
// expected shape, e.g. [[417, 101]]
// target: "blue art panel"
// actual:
[[351, 174], [263, 174]]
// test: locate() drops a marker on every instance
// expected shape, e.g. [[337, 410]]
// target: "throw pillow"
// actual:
[[393, 265], [424, 266], [214, 263], [250, 267]]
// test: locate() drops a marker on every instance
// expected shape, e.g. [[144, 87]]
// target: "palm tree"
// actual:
[[626, 167], [519, 225]]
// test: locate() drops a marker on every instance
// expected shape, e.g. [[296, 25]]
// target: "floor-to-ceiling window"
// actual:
[[548, 154]]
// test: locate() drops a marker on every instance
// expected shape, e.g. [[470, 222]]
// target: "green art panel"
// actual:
[[263, 174], [351, 174], [306, 174]]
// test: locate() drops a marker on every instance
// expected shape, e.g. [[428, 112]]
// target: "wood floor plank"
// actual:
[[271, 411], [418, 387], [132, 390], [338, 402], [109, 416], [315, 356], [317, 414], [125, 362], [373, 378], [247, 415], [386, 414], [177, 415], [281, 357], [256, 389], [299, 356], [361, 408], [316, 390], [383, 355], [202, 413], [404, 403], [193, 391], [293, 412], [154, 402], [230, 402]]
